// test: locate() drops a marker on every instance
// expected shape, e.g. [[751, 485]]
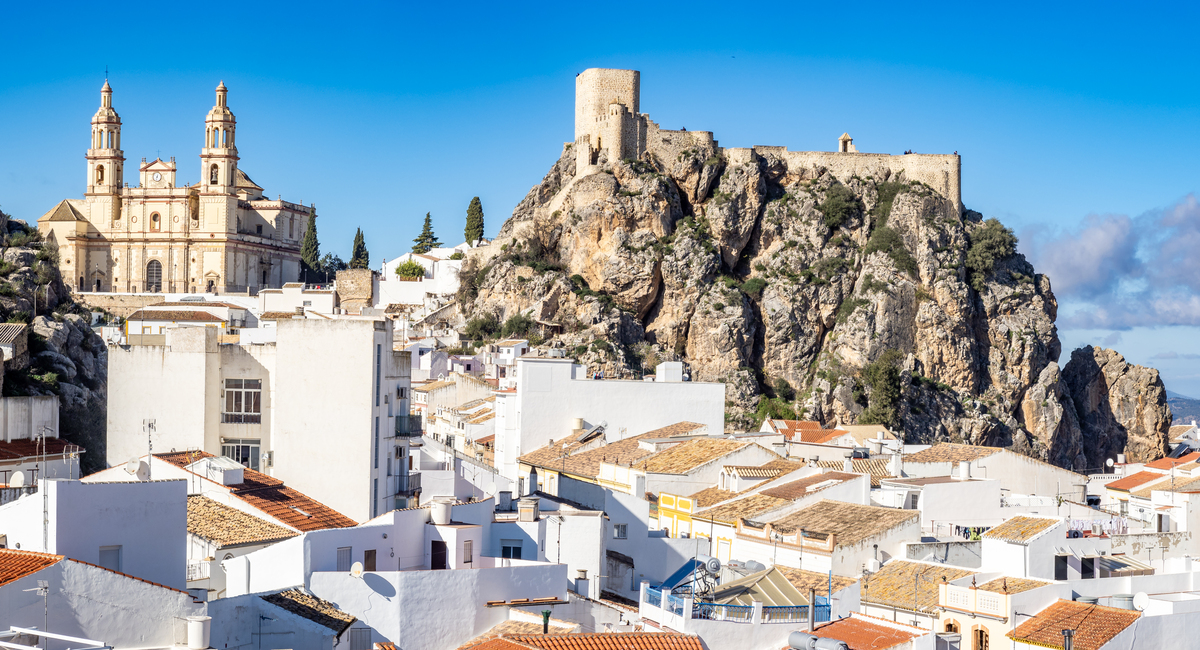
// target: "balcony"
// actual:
[[241, 418], [408, 426], [198, 570], [685, 615], [973, 601], [407, 484]]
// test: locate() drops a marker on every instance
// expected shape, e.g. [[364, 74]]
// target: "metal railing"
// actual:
[[785, 614], [198, 570], [408, 426], [717, 612], [241, 418], [407, 483]]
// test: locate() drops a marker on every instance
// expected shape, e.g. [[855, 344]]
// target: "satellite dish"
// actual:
[[131, 466], [356, 570], [1140, 600], [18, 479], [1109, 462]]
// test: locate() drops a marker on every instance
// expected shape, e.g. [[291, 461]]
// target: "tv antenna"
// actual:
[[148, 425], [43, 590]]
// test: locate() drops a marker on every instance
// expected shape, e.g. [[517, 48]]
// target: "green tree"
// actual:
[[310, 250], [410, 269], [330, 265], [426, 241], [474, 230], [990, 243], [883, 379], [839, 205], [359, 257]]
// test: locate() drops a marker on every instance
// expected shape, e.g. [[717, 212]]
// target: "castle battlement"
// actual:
[[607, 120]]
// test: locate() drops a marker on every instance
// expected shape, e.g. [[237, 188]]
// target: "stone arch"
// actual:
[[99, 174], [214, 174]]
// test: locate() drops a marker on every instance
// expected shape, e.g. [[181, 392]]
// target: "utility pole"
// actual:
[[148, 425]]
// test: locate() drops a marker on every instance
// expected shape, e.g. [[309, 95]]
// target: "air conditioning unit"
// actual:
[[268, 459]]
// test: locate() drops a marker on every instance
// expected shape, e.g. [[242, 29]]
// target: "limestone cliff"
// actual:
[[866, 297], [67, 358]]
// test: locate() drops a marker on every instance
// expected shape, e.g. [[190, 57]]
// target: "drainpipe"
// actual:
[[812, 609], [545, 621], [1067, 634]]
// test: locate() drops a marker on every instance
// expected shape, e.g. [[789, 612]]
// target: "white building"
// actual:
[[135, 528], [323, 385], [29, 442], [554, 397], [1018, 474]]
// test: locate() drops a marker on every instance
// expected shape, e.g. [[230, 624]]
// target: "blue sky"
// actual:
[[1079, 125]]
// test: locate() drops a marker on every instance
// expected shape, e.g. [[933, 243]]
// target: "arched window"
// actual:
[[213, 175], [154, 221], [99, 174], [952, 626], [154, 276]]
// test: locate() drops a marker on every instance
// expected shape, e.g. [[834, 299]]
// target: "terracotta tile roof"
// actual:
[[609, 641], [1134, 480], [745, 508], [64, 211], [486, 439], [1190, 467], [508, 343], [18, 449], [1179, 429], [783, 464], [278, 315], [861, 633], [226, 526], [433, 385], [1168, 463], [687, 456], [789, 428], [751, 471], [587, 463], [818, 582], [196, 303], [877, 468], [272, 497], [190, 316], [821, 436], [1021, 530], [480, 419], [710, 496], [674, 430], [1006, 585], [1094, 625], [10, 331], [949, 452], [807, 486], [314, 609], [15, 564], [515, 628], [1178, 485], [895, 584], [852, 523]]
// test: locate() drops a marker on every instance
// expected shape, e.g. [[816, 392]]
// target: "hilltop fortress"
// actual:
[[608, 123]]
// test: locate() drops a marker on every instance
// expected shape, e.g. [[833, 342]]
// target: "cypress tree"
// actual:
[[359, 257], [474, 231], [310, 250], [426, 241]]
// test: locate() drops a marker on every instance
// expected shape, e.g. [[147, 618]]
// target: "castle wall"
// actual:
[[668, 145], [942, 172], [596, 88]]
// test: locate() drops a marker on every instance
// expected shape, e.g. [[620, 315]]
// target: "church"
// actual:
[[219, 235]]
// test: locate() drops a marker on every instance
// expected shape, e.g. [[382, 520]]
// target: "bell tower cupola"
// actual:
[[218, 158], [105, 160]]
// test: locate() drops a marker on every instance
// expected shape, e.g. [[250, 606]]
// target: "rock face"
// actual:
[[67, 358], [1124, 407], [759, 274]]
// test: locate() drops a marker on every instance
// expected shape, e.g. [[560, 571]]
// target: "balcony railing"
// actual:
[[406, 484], [198, 570], [717, 612], [673, 605], [408, 426], [241, 418]]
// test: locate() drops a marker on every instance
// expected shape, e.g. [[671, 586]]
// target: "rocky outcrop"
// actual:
[[761, 274], [1123, 407], [67, 358]]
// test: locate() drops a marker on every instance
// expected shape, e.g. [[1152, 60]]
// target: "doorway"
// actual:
[[437, 556]]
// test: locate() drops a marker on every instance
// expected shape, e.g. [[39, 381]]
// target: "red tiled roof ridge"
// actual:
[[16, 564]]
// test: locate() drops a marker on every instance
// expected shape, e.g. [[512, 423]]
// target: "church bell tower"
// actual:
[[218, 158], [105, 160]]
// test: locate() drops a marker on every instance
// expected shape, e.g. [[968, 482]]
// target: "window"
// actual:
[[360, 639], [110, 557], [620, 531], [510, 549], [1124, 508], [375, 497], [343, 558], [981, 638], [1060, 567], [154, 276], [468, 551], [245, 452], [951, 627], [155, 220], [376, 448], [243, 401], [1087, 568], [378, 365], [369, 560], [914, 499]]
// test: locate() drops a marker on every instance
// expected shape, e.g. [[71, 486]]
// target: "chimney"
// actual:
[[582, 583], [964, 471], [896, 465], [527, 509], [848, 464]]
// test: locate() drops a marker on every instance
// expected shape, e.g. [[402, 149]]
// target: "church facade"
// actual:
[[219, 235]]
